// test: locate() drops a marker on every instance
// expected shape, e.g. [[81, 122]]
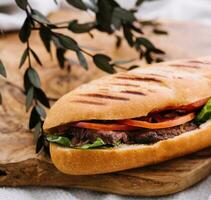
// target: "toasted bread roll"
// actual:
[[127, 95], [135, 93]]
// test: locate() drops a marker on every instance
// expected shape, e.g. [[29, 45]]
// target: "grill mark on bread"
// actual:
[[104, 96], [133, 92], [89, 102], [104, 89], [200, 62], [150, 90], [125, 84], [158, 75], [178, 77], [137, 78], [184, 66]]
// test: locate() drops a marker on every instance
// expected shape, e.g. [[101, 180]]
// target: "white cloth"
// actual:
[[200, 191], [11, 17], [194, 10], [180, 10]]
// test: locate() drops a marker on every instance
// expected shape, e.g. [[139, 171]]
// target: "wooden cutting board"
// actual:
[[20, 166]]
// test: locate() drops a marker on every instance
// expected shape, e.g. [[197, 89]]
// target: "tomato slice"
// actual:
[[165, 124], [104, 127]]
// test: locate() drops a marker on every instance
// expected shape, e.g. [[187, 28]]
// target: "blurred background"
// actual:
[[12, 18]]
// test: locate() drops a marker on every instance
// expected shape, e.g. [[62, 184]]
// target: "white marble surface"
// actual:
[[195, 10]]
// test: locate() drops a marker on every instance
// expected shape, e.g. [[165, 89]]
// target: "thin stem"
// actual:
[[87, 53], [120, 67], [30, 7], [22, 91], [59, 27], [60, 23], [15, 86]]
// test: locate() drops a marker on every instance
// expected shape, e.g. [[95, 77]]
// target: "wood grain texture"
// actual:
[[20, 166]]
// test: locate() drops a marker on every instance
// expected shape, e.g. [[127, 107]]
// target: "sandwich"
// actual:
[[132, 119]]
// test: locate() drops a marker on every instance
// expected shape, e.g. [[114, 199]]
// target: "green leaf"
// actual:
[[61, 140], [77, 4], [136, 29], [158, 60], [92, 5], [75, 27], [82, 60], [60, 56], [56, 41], [117, 143], [205, 114], [104, 15], [33, 77], [133, 67], [27, 83], [38, 129], [128, 35], [36, 57], [158, 51], [67, 42], [25, 31], [159, 31], [98, 143], [2, 69], [23, 58], [103, 62], [41, 111], [0, 99], [148, 57], [40, 143], [45, 35], [34, 118], [145, 42], [55, 1], [29, 98], [139, 2], [41, 97], [22, 4], [39, 17], [123, 14], [116, 22], [118, 41]]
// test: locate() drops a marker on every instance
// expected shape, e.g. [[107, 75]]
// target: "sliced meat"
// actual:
[[82, 136], [153, 136]]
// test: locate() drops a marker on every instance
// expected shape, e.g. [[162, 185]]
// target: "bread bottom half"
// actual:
[[98, 161]]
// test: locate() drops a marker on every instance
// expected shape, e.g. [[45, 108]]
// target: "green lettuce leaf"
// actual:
[[98, 143], [64, 141], [205, 114]]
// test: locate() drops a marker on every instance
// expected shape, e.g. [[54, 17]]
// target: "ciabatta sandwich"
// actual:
[[132, 119]]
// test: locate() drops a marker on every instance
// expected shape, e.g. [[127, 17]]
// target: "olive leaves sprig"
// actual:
[[109, 17]]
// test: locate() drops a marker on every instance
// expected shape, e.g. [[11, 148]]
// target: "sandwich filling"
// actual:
[[82, 136], [153, 128]]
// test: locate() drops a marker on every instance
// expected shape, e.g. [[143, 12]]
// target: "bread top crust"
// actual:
[[135, 93]]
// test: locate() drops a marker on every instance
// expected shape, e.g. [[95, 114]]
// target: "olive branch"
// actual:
[[109, 17]]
